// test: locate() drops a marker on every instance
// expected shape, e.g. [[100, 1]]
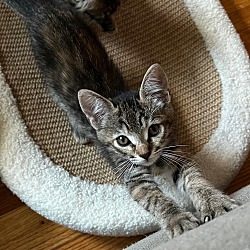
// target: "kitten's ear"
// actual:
[[154, 87], [94, 106]]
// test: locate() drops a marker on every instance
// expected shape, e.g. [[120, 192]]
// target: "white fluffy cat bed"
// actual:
[[209, 75]]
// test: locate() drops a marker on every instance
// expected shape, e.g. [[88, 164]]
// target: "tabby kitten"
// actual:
[[133, 130]]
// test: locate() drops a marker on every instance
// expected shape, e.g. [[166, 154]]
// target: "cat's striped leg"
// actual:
[[173, 219], [208, 201], [80, 129]]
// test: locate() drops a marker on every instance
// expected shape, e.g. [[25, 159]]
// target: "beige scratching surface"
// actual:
[[147, 32]]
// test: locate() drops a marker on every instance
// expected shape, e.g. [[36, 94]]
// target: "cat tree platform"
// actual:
[[209, 75]]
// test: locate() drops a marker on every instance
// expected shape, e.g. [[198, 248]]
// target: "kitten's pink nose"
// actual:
[[145, 156]]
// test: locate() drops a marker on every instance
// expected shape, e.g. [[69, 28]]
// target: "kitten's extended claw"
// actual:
[[180, 223], [207, 219], [215, 206]]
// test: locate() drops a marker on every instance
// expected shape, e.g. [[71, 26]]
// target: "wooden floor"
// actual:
[[21, 228]]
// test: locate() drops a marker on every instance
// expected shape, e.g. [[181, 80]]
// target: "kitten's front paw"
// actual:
[[177, 224], [82, 139], [215, 206], [80, 136]]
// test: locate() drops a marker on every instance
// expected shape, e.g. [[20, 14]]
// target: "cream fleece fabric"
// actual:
[[229, 144]]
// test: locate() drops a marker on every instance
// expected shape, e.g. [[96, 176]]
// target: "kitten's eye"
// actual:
[[123, 141], [154, 130]]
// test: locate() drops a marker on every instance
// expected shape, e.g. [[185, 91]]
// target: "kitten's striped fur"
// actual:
[[146, 154], [133, 130]]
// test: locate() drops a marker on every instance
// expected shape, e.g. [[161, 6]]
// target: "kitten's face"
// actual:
[[136, 132], [137, 128]]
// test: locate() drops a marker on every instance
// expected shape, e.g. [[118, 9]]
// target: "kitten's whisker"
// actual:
[[120, 173], [176, 146], [175, 155], [185, 160], [175, 151], [182, 155], [119, 168], [122, 168], [169, 163], [123, 171], [121, 164], [178, 159], [130, 169], [169, 159], [177, 164], [188, 159]]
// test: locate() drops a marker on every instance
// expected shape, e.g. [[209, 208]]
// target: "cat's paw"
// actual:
[[80, 136], [179, 223], [215, 206], [82, 139]]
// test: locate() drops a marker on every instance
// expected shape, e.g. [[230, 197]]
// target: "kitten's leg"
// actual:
[[80, 132], [173, 219], [79, 135], [209, 201]]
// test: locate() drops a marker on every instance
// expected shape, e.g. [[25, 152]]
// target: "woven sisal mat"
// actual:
[[147, 32]]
